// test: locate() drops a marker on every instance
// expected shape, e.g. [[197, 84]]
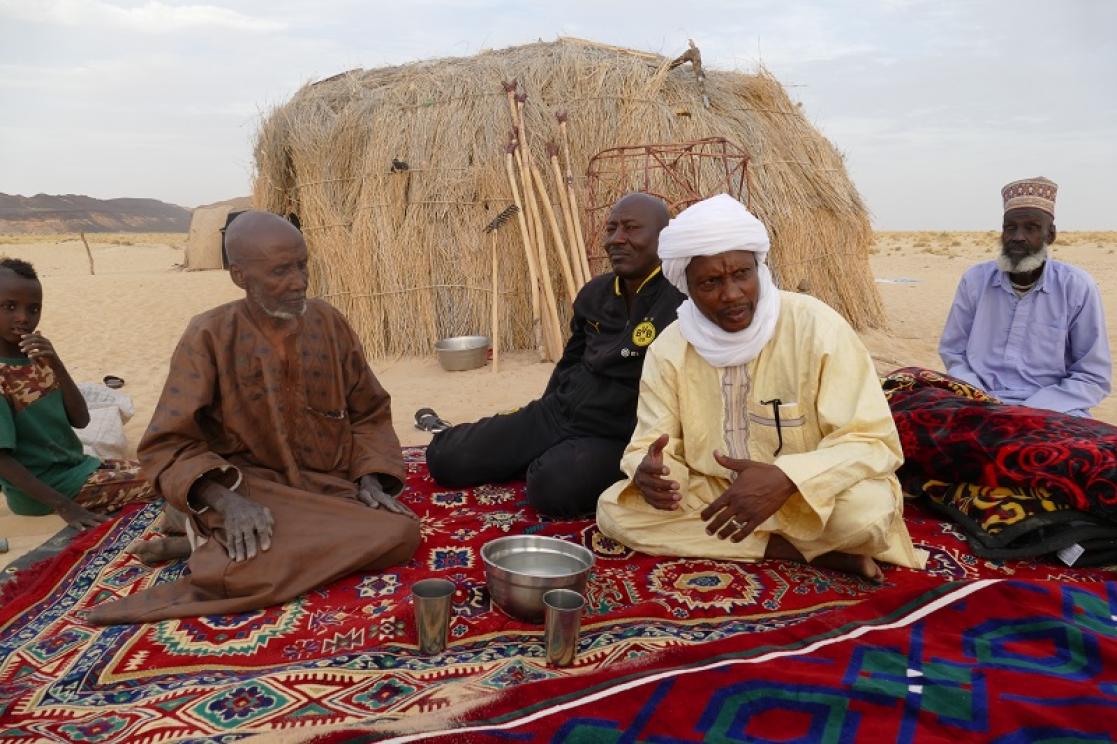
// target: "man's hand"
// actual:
[[79, 517], [758, 492], [36, 345], [248, 526], [651, 478], [371, 493]]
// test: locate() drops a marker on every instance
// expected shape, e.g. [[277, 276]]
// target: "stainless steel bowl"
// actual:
[[520, 569], [460, 353]]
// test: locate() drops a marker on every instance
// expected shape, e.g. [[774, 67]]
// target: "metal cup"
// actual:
[[562, 616], [432, 613]]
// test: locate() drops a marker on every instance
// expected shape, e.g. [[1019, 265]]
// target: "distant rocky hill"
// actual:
[[71, 213]]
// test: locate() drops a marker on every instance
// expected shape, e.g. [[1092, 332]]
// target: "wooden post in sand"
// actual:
[[496, 307], [491, 228], [88, 253]]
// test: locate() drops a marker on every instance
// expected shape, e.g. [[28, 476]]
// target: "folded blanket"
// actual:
[[1020, 482]]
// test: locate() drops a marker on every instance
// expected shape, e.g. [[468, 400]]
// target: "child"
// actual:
[[42, 468]]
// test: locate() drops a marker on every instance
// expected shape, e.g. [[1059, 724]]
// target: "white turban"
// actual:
[[716, 225], [712, 226]]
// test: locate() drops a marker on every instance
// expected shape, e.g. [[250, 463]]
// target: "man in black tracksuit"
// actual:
[[569, 443]]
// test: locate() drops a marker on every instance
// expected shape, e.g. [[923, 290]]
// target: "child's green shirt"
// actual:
[[35, 430]]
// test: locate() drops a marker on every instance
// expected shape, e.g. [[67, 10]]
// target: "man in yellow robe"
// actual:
[[762, 431]]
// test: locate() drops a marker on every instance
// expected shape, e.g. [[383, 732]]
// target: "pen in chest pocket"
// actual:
[[775, 403]]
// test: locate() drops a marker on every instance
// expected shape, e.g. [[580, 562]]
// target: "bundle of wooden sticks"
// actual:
[[544, 233]]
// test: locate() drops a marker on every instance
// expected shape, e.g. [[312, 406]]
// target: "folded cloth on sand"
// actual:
[[109, 410], [1020, 482]]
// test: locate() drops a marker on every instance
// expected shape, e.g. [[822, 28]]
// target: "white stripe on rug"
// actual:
[[915, 615]]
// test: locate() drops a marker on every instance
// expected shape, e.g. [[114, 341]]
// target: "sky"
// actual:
[[935, 104]]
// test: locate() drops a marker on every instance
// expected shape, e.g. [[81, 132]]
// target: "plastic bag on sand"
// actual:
[[109, 410]]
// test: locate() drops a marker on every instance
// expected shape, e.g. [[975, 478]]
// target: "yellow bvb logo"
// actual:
[[643, 334]]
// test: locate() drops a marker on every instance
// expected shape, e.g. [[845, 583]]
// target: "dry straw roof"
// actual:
[[402, 252]]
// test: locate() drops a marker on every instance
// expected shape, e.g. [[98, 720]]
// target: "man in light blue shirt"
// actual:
[[1025, 328]]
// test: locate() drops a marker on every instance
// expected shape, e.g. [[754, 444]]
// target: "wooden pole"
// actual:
[[552, 332], [572, 196], [497, 222], [496, 307], [556, 232], [529, 252], [580, 276], [517, 136], [523, 157], [515, 104], [510, 94], [514, 164], [550, 309], [88, 253], [553, 328]]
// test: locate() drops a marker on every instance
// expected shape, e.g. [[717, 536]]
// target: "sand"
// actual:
[[934, 262], [126, 319]]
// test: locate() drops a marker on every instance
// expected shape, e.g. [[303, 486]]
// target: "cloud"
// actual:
[[152, 17], [892, 6], [936, 103]]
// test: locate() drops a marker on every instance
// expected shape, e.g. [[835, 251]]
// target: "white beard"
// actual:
[[276, 312], [1023, 265], [283, 314]]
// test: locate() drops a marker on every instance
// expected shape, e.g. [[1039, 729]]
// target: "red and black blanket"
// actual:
[[1019, 481]]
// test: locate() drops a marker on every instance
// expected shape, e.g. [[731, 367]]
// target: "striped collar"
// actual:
[[617, 281]]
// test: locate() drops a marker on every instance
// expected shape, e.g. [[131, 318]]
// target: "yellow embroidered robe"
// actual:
[[840, 445]]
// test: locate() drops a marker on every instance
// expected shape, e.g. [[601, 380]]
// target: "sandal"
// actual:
[[427, 420]]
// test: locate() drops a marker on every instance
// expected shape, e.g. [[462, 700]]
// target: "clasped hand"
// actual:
[[756, 493]]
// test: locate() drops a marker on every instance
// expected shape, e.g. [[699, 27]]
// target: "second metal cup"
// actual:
[[432, 613], [562, 620]]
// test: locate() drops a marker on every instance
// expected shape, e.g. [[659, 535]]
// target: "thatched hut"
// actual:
[[400, 248], [203, 243]]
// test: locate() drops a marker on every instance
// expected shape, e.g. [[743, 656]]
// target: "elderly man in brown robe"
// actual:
[[275, 438]]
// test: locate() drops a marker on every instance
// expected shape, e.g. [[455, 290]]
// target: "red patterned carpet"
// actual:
[[345, 655], [989, 660]]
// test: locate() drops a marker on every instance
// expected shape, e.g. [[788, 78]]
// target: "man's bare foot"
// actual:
[[160, 549], [859, 565]]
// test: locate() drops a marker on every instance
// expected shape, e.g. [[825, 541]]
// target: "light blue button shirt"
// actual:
[[1047, 349]]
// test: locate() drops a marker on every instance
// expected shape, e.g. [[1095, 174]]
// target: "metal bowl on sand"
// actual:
[[520, 569], [459, 353]]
